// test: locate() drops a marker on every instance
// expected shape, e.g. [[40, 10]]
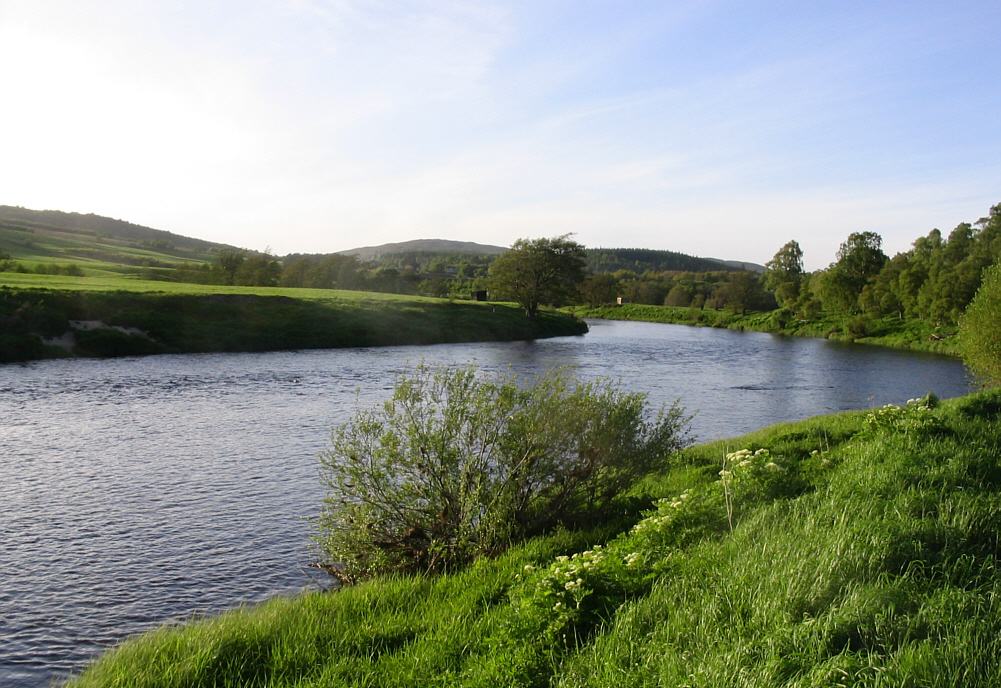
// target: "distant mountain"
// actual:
[[366, 253]]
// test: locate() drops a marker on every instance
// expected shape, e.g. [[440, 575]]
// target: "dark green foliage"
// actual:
[[599, 290], [643, 259], [937, 278], [980, 329], [538, 271], [454, 467], [237, 322]]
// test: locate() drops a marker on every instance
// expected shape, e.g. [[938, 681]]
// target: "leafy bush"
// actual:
[[454, 466], [980, 328]]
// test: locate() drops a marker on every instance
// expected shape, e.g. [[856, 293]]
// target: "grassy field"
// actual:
[[98, 246], [890, 332], [104, 283], [138, 317], [859, 549]]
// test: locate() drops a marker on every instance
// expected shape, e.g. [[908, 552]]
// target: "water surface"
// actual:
[[138, 491]]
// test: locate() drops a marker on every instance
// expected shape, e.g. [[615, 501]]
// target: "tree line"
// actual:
[[933, 281]]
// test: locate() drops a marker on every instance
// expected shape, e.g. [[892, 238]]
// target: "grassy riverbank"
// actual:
[[855, 549], [892, 332], [88, 320]]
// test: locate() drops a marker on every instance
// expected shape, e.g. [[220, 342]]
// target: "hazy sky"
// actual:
[[719, 129]]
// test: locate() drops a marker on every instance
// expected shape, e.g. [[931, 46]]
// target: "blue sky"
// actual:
[[720, 129]]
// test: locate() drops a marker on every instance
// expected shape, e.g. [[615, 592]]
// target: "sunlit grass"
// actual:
[[125, 283], [878, 567]]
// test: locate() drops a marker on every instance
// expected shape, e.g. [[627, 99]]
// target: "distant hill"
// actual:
[[54, 234], [96, 243], [438, 246], [741, 265], [642, 259], [598, 259]]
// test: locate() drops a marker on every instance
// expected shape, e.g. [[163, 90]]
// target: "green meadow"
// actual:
[[136, 317], [105, 283], [859, 549]]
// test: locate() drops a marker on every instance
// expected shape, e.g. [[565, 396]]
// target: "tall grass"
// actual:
[[863, 552]]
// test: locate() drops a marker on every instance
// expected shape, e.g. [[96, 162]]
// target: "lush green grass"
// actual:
[[860, 549], [17, 280], [891, 332], [199, 318]]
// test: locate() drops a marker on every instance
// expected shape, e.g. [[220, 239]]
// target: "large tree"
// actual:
[[784, 273], [860, 258], [538, 271]]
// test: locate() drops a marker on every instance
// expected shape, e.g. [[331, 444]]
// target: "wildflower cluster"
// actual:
[[668, 509], [743, 462], [569, 579], [583, 587], [913, 417]]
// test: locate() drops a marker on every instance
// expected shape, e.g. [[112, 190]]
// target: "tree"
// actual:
[[259, 270], [680, 295], [784, 274], [538, 271], [980, 328], [860, 258], [455, 466], [743, 292], [229, 262], [598, 290]]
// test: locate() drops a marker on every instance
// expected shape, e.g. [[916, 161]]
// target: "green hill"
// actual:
[[96, 245], [435, 246], [640, 260]]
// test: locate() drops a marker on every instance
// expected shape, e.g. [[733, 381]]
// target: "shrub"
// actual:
[[913, 418], [980, 328], [454, 466]]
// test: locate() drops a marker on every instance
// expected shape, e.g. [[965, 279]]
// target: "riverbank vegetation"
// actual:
[[913, 334], [454, 467], [855, 549], [49, 323], [914, 300]]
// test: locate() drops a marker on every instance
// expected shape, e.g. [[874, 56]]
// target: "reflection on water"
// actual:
[[136, 491]]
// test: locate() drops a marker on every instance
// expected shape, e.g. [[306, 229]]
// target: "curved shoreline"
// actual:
[[40, 324], [908, 335]]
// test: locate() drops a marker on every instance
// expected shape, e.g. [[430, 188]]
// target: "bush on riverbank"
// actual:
[[194, 323], [857, 549], [453, 467], [980, 329]]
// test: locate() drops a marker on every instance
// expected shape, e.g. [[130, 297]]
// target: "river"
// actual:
[[142, 490]]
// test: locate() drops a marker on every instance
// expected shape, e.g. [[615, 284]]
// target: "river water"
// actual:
[[138, 491]]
